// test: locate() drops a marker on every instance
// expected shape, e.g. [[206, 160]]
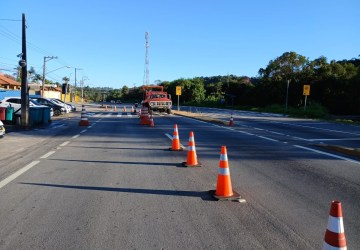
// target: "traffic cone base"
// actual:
[[192, 165], [234, 197], [84, 123], [180, 149]]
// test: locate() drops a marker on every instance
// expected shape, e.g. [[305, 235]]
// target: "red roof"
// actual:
[[9, 83]]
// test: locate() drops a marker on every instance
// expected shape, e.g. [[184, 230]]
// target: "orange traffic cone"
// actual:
[[223, 186], [84, 120], [231, 123], [151, 124], [132, 109], [191, 155], [334, 235], [106, 107], [124, 108], [114, 108], [175, 140]]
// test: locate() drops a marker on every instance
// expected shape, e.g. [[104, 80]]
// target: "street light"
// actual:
[[43, 84], [68, 67], [75, 81], [82, 87]]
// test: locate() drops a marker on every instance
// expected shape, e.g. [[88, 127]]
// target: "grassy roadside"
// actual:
[[313, 111]]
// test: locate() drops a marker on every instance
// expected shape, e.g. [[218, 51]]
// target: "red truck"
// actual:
[[156, 99]]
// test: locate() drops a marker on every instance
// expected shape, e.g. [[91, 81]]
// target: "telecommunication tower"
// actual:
[[147, 59]]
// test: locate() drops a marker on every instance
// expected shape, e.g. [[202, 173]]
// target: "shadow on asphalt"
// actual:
[[124, 162], [204, 195]]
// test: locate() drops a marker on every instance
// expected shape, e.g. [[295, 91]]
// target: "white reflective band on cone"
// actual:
[[223, 157], [191, 148], [191, 138], [335, 224], [224, 171], [175, 137]]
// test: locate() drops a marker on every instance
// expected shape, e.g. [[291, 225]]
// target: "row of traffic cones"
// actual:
[[334, 236], [223, 186], [124, 109]]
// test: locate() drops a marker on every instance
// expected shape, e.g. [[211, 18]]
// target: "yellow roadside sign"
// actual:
[[178, 90], [306, 90]]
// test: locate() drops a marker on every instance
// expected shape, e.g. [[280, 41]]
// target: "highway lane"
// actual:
[[115, 185], [306, 131]]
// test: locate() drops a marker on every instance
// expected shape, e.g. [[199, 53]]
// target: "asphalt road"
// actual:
[[115, 185]]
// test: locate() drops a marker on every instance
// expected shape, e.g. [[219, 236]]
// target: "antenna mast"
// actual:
[[147, 59]]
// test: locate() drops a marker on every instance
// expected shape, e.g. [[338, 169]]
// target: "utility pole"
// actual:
[[75, 86], [147, 59], [287, 95], [24, 83], [46, 58]]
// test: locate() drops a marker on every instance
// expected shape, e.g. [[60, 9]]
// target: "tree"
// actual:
[[288, 66], [66, 79], [124, 90], [31, 73]]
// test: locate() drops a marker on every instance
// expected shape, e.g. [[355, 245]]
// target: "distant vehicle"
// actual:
[[2, 130], [156, 99], [15, 102], [136, 104], [58, 109], [118, 101]]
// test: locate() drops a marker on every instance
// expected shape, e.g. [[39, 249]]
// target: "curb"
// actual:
[[345, 150]]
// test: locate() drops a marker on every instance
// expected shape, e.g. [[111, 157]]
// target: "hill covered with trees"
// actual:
[[334, 85]]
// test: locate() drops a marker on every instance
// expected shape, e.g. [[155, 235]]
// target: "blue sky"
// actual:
[[188, 38]]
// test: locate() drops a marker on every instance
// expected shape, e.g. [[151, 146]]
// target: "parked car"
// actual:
[[67, 107], [58, 110], [2, 130], [15, 102], [72, 106]]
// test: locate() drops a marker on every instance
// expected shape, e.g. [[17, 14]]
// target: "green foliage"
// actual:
[[334, 85]]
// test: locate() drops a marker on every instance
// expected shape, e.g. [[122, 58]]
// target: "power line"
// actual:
[[12, 20]]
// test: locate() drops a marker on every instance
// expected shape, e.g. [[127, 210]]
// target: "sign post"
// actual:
[[306, 93], [178, 93]]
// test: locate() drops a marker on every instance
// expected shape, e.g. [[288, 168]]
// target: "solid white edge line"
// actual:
[[328, 154], [64, 144], [47, 154], [75, 136], [83, 131], [17, 174]]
